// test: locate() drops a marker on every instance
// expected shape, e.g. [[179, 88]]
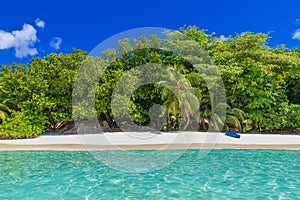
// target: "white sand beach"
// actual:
[[165, 140]]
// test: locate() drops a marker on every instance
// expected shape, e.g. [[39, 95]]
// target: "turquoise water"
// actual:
[[222, 174]]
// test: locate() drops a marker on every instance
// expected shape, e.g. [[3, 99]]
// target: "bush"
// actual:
[[294, 117], [22, 125]]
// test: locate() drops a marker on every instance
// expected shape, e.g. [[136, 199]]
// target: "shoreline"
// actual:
[[150, 141], [76, 147]]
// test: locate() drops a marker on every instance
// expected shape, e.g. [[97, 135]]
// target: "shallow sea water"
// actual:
[[222, 174]]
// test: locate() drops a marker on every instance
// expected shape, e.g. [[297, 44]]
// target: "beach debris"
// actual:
[[232, 134]]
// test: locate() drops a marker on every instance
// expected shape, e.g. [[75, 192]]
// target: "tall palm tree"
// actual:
[[187, 102]]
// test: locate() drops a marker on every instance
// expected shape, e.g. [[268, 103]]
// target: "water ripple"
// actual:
[[222, 174]]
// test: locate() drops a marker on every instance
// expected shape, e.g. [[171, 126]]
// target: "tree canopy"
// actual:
[[261, 83]]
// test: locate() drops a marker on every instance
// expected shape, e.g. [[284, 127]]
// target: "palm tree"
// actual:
[[234, 119], [187, 102]]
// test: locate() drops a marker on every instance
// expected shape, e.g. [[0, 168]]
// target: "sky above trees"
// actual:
[[34, 28]]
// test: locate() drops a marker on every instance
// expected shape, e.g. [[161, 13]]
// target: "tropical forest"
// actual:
[[262, 86]]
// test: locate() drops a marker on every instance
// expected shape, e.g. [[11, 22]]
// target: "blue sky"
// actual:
[[36, 28]]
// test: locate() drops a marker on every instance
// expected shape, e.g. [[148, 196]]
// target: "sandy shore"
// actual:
[[149, 141]]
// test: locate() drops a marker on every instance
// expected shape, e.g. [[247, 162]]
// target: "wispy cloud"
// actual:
[[22, 40], [296, 34], [223, 38], [244, 33], [297, 21], [40, 23], [55, 43]]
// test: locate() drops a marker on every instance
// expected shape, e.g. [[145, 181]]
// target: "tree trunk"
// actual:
[[108, 119]]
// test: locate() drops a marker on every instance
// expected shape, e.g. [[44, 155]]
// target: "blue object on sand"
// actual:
[[232, 134]]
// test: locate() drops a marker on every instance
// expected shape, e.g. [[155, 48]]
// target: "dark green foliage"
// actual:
[[39, 94], [262, 86], [23, 125]]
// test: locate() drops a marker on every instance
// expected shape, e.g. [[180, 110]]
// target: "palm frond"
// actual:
[[233, 121]]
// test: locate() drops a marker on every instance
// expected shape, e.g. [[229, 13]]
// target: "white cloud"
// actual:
[[244, 33], [6, 40], [55, 43], [22, 40], [296, 35], [40, 23], [223, 38]]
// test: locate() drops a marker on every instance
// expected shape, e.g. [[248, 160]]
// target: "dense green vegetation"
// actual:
[[262, 87]]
